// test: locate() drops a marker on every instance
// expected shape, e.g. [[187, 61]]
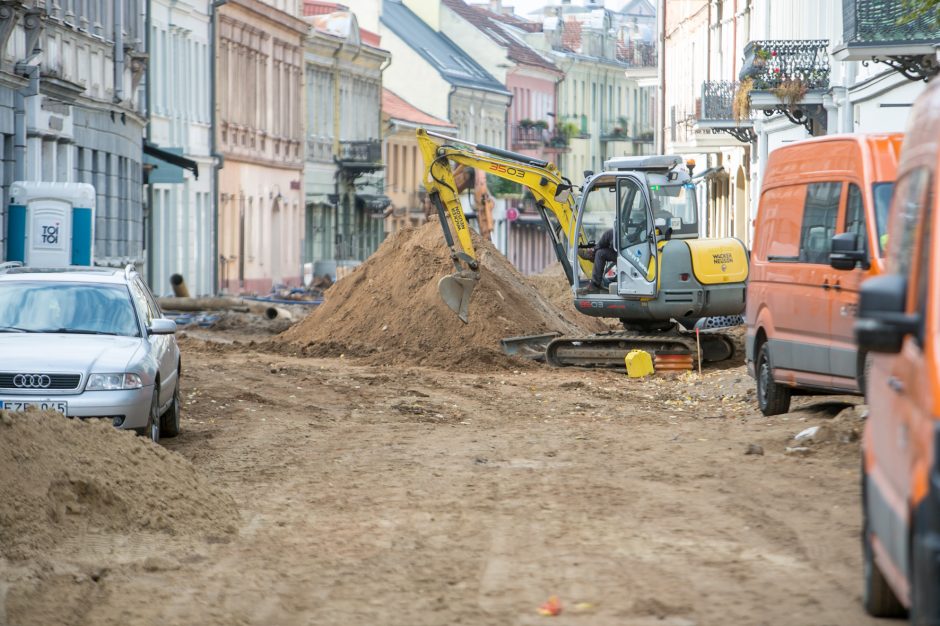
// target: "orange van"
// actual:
[[899, 324], [819, 234]]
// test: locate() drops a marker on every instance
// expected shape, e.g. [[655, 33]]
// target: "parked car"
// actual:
[[88, 342], [819, 233], [899, 323]]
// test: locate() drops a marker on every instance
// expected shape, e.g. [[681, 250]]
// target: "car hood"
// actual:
[[42, 353]]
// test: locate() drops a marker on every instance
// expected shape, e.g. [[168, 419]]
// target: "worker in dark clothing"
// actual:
[[602, 254]]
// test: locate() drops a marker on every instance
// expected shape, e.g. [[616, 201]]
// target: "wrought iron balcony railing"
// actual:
[[773, 63], [883, 22], [718, 101], [529, 136], [358, 153], [881, 30], [637, 53]]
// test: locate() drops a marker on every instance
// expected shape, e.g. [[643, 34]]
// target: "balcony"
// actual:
[[558, 142], [616, 130], [529, 136], [789, 77], [717, 114], [360, 157], [872, 30]]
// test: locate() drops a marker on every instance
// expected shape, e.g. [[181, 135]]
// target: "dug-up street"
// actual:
[[332, 492]]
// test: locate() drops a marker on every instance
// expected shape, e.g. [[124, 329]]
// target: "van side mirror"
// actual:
[[882, 321], [846, 252]]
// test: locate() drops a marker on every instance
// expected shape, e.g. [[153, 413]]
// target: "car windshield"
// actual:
[[882, 193], [79, 308]]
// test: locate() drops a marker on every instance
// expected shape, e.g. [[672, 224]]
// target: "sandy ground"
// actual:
[[396, 495]]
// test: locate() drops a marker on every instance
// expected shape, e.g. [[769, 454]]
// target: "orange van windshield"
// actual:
[[882, 193]]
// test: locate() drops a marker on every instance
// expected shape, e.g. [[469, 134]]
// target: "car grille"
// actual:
[[29, 381]]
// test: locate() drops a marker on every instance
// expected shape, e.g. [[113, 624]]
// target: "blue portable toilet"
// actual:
[[51, 224]]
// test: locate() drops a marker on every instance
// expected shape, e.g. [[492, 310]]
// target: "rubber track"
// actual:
[[609, 350]]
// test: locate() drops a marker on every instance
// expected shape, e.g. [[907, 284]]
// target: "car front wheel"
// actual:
[[152, 430], [170, 421]]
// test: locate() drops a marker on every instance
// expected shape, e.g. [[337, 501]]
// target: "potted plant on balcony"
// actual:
[[741, 104], [540, 125], [526, 123], [761, 56], [791, 92]]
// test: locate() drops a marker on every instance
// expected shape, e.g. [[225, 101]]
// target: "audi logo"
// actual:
[[32, 381]]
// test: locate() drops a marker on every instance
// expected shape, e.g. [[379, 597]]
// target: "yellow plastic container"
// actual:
[[639, 363]]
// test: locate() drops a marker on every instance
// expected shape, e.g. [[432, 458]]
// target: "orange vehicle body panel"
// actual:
[[904, 392], [799, 303]]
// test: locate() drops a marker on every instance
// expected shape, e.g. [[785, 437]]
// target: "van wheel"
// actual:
[[925, 605], [772, 398], [877, 597]]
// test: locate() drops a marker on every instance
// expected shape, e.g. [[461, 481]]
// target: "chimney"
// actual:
[[496, 6]]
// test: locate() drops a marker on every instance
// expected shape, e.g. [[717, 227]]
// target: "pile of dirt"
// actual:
[[553, 285], [388, 310], [63, 479]]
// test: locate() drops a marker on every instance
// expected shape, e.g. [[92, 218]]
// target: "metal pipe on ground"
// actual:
[[179, 286]]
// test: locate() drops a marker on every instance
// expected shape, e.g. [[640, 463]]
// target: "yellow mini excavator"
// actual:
[[664, 277]]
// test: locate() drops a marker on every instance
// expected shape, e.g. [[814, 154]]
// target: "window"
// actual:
[[820, 211], [855, 213], [909, 209], [882, 193], [141, 302]]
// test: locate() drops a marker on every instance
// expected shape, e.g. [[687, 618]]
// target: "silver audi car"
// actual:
[[88, 342]]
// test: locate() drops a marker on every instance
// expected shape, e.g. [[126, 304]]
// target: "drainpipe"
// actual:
[[148, 100], [661, 122], [848, 112], [218, 161], [29, 69], [118, 51]]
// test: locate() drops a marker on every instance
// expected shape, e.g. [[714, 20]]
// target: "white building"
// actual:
[[815, 47], [181, 204]]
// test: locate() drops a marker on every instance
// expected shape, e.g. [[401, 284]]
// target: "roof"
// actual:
[[338, 21], [639, 8], [107, 275], [483, 20], [512, 20], [397, 108], [454, 65]]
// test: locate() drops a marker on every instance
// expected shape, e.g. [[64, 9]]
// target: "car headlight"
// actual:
[[107, 382]]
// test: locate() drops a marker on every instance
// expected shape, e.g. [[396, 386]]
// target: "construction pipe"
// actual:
[[273, 312], [179, 286]]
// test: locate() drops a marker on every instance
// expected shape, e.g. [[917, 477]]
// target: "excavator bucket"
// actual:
[[455, 290]]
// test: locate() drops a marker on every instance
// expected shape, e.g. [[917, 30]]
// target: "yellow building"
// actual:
[[404, 164]]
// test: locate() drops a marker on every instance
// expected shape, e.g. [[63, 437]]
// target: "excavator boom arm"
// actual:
[[551, 190]]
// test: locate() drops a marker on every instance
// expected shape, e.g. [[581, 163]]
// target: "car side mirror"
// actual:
[[162, 326], [846, 252], [882, 321]]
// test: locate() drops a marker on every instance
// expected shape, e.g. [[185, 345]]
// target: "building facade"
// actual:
[[71, 111], [259, 80], [181, 203], [344, 179], [404, 163], [742, 77]]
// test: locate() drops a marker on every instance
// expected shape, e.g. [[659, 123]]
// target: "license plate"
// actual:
[[14, 405]]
